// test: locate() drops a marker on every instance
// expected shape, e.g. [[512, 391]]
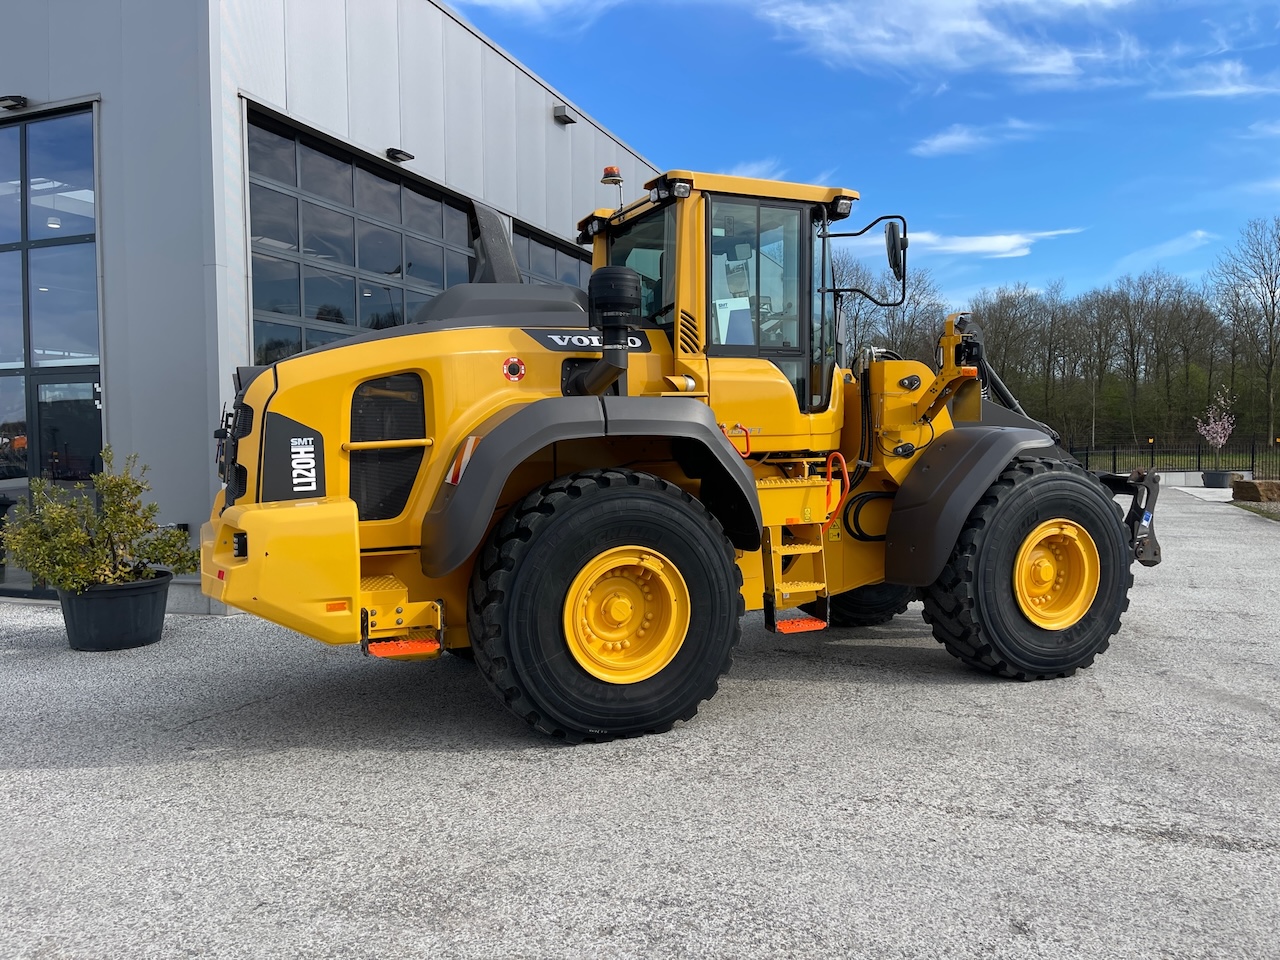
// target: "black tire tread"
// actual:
[[499, 558], [949, 601]]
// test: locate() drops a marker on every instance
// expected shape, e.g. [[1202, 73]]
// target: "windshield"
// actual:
[[647, 245]]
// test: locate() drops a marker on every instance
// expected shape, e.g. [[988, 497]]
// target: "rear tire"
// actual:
[[648, 581], [1039, 575], [867, 606]]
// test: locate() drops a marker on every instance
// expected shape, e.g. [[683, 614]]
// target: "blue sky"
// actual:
[[1024, 140]]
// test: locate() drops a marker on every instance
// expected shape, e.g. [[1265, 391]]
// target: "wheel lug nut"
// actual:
[[626, 644]]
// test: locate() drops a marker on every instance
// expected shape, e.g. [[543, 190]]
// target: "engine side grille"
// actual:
[[390, 408], [237, 485], [233, 474], [242, 426]]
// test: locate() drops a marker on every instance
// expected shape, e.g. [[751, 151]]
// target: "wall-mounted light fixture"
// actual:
[[398, 155], [12, 102], [564, 115]]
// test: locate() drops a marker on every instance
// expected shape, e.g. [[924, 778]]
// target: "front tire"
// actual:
[[605, 605], [1039, 575]]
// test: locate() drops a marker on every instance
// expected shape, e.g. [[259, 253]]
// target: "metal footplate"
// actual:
[[394, 628], [795, 624], [1139, 522]]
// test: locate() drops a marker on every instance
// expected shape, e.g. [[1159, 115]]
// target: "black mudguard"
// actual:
[[461, 513], [932, 504]]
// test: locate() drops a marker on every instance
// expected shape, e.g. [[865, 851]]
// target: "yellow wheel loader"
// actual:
[[586, 491]]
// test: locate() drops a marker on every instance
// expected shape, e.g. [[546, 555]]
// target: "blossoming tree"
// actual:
[[1217, 424]]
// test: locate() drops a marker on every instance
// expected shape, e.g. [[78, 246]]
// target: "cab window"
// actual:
[[755, 271], [648, 246], [757, 274]]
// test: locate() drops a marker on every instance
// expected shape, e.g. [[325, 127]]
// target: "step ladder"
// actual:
[[796, 513], [393, 627]]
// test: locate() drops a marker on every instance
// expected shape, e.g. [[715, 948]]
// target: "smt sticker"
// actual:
[[513, 369]]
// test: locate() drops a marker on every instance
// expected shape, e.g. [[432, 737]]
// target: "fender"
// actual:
[[934, 501], [460, 514]]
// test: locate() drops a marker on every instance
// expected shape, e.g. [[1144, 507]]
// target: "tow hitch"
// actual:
[[1139, 521]]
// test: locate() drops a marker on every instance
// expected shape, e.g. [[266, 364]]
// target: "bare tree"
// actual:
[[1248, 280], [1095, 314], [857, 313], [1009, 318], [912, 327]]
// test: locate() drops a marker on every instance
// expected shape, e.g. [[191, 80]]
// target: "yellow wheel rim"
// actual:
[[1056, 574], [626, 614]]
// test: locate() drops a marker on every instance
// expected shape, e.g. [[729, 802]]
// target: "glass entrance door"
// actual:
[[67, 432], [60, 440]]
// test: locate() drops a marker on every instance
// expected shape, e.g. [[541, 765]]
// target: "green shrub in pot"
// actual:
[[94, 544]]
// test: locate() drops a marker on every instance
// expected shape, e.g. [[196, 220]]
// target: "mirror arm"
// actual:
[[902, 295], [875, 222], [902, 292]]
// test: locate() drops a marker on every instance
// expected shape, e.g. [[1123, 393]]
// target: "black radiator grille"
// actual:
[[390, 408]]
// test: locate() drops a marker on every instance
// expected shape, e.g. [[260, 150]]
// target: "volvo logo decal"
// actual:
[[585, 341]]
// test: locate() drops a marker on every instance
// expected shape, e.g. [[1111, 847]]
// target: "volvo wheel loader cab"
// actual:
[[586, 492]]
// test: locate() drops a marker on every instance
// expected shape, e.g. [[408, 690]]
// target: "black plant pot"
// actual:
[[1218, 478], [116, 616]]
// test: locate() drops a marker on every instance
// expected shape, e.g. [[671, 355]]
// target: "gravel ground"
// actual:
[[1270, 506], [239, 791]]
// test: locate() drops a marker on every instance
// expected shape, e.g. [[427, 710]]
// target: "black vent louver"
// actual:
[[391, 408]]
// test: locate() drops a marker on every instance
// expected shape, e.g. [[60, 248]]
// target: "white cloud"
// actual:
[[1263, 129], [909, 36], [1263, 186], [1037, 43], [991, 246], [766, 169], [1226, 78], [1139, 260], [931, 36], [962, 138], [543, 9]]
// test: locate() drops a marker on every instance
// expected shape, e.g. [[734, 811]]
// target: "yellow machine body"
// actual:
[[313, 565]]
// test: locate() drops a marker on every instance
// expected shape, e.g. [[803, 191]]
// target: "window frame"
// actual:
[[30, 375], [804, 282]]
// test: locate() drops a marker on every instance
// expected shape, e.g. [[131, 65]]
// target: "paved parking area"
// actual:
[[237, 790]]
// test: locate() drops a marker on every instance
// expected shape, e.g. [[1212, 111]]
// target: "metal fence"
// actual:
[[1259, 458]]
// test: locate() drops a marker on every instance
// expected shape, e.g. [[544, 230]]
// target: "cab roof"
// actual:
[[725, 183]]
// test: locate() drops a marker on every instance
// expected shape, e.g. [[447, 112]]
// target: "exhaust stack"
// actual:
[[614, 295]]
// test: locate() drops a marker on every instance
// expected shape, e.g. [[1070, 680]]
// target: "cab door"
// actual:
[[763, 370]]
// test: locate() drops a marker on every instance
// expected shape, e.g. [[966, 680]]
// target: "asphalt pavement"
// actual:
[[237, 790]]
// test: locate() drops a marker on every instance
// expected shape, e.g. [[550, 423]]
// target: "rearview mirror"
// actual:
[[895, 245]]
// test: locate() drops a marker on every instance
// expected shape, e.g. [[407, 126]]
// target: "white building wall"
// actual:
[[172, 82]]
